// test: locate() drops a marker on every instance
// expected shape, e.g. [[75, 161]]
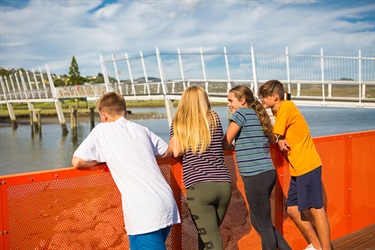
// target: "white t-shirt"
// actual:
[[129, 150]]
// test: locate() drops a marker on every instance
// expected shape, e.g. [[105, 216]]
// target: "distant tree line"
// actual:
[[74, 77]]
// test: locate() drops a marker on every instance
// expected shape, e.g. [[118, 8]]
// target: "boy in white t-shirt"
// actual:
[[129, 151]]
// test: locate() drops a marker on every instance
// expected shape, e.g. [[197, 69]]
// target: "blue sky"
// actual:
[[38, 32]]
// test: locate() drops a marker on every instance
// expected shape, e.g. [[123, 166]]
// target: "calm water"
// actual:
[[21, 151]]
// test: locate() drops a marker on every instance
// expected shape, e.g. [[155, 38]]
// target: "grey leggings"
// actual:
[[208, 203], [258, 192]]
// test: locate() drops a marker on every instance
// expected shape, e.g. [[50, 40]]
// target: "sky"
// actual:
[[38, 32]]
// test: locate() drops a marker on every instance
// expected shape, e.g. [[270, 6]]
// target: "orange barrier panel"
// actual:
[[72, 209]]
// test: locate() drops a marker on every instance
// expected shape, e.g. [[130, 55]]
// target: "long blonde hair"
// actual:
[[194, 120]]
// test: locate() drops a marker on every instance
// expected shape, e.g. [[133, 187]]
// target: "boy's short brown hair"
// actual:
[[271, 87], [111, 103]]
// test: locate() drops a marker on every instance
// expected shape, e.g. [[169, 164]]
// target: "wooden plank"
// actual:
[[363, 239]]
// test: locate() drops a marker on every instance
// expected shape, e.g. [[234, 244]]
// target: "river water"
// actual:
[[23, 151]]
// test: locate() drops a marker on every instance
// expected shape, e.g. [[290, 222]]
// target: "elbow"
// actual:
[[226, 145], [76, 162], [167, 153]]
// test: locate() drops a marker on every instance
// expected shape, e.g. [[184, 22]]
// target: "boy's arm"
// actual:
[[80, 163], [282, 142], [167, 154]]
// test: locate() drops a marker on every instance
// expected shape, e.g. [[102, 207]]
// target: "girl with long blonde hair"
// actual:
[[196, 134]]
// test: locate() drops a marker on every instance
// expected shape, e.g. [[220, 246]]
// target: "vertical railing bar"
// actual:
[[181, 68], [28, 79], [161, 71], [287, 69], [105, 73], [7, 84], [17, 93], [116, 73], [130, 74], [36, 84], [50, 81], [145, 74], [204, 70], [229, 85], [42, 79], [22, 83], [322, 69], [3, 87], [362, 92], [255, 80]]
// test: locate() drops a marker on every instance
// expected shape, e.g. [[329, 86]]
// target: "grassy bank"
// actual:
[[49, 109]]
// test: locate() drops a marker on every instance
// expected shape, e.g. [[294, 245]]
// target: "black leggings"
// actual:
[[208, 203], [258, 190]]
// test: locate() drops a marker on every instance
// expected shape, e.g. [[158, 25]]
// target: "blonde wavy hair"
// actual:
[[194, 120]]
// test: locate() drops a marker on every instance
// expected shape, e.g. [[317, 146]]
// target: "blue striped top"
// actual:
[[208, 166], [252, 146]]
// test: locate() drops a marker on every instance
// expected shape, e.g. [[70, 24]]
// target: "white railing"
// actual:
[[164, 75], [306, 76]]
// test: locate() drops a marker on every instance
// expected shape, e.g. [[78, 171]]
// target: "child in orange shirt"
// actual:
[[305, 192]]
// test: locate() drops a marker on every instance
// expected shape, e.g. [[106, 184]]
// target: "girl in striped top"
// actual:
[[251, 128], [196, 135]]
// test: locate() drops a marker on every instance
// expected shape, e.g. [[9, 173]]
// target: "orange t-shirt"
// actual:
[[291, 124]]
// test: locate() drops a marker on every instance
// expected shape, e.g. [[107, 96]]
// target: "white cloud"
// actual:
[[51, 32]]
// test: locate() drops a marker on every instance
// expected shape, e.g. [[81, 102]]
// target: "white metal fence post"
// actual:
[[147, 86], [52, 86], [161, 72], [181, 68], [44, 84], [287, 69], [322, 69], [130, 73], [105, 74], [254, 70], [362, 93], [36, 84], [229, 85], [116, 73], [204, 70]]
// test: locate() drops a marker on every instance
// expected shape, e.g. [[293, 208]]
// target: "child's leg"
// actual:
[[258, 191], [202, 199], [322, 226], [296, 200], [304, 226], [224, 200]]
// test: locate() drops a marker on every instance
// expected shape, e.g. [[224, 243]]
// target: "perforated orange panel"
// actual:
[[74, 213], [72, 209]]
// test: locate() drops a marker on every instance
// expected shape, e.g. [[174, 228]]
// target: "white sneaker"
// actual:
[[310, 247]]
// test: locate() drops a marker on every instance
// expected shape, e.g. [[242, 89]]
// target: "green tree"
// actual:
[[58, 82], [75, 77]]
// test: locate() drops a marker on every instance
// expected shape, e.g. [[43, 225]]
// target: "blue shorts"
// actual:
[[149, 241], [306, 191]]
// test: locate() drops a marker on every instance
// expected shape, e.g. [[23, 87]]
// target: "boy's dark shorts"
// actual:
[[305, 191]]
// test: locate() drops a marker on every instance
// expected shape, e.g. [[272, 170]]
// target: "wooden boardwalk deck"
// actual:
[[363, 239]]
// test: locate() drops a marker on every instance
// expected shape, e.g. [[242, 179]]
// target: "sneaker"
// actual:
[[310, 247]]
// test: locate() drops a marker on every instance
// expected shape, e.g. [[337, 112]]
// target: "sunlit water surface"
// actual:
[[23, 151]]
